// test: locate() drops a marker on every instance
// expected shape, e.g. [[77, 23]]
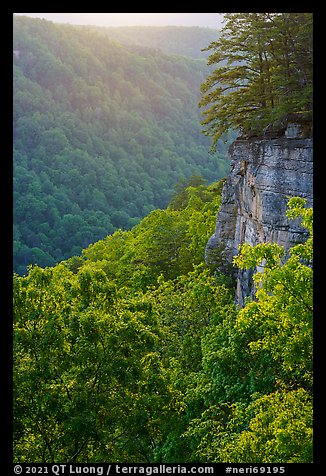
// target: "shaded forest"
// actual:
[[102, 135]]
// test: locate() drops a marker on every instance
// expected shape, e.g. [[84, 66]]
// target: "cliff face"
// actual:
[[265, 173]]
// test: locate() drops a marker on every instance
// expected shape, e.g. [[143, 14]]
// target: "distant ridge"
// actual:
[[102, 134], [179, 40]]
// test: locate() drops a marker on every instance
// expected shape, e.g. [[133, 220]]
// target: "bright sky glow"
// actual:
[[212, 20]]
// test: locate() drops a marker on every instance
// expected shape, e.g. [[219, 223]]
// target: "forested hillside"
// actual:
[[102, 134], [131, 349], [179, 40], [135, 352]]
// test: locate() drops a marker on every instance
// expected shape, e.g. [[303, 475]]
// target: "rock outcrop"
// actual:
[[265, 173]]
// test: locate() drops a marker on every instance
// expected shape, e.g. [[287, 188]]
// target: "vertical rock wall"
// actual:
[[265, 173]]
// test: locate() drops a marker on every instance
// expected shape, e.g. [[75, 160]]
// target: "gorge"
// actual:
[[139, 336]]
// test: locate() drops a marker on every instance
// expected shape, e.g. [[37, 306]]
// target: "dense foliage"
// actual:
[[264, 72], [135, 352], [133, 349], [102, 134]]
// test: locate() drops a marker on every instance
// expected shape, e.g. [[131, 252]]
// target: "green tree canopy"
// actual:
[[102, 133], [133, 354], [257, 363], [263, 72]]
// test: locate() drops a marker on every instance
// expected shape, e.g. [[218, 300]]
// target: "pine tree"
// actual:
[[264, 72]]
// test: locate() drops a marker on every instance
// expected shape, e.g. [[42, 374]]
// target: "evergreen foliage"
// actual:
[[263, 74]]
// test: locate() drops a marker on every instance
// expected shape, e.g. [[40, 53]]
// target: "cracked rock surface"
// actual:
[[264, 174]]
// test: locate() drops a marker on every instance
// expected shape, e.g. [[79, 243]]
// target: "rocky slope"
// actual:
[[265, 173]]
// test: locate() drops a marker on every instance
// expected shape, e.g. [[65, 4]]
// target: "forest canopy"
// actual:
[[135, 351], [102, 135]]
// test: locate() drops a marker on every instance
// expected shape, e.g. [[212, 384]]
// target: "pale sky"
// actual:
[[212, 20]]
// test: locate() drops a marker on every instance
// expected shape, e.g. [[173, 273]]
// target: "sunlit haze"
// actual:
[[212, 20]]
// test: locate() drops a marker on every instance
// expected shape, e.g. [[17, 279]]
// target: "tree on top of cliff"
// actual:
[[264, 72]]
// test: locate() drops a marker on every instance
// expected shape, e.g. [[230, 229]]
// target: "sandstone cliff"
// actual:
[[265, 173]]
